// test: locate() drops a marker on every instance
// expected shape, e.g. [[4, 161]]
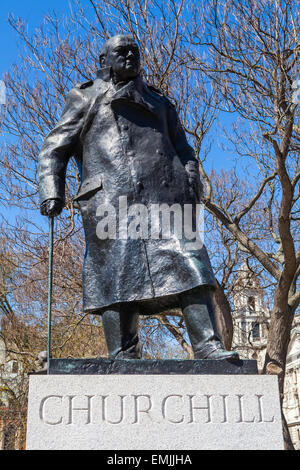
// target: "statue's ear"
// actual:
[[102, 58]]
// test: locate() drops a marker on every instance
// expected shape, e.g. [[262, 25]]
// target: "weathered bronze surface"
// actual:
[[128, 142], [151, 366]]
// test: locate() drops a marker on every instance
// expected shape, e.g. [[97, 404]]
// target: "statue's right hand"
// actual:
[[52, 207]]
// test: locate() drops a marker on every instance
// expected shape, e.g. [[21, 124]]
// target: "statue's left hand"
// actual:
[[52, 207]]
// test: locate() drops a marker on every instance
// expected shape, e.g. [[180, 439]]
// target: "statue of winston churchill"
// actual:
[[128, 143]]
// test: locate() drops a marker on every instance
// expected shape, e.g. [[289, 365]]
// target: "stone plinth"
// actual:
[[154, 411]]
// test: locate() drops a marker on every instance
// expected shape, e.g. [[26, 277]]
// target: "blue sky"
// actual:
[[33, 12]]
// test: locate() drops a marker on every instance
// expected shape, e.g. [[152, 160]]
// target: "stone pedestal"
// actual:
[[116, 410]]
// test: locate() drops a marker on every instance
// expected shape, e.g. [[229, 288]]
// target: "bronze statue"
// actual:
[[129, 145]]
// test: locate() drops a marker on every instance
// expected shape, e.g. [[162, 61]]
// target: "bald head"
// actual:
[[113, 41], [121, 53]]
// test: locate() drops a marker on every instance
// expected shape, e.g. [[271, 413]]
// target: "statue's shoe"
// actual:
[[219, 355]]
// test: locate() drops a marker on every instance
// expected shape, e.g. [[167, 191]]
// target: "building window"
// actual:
[[251, 303], [264, 330], [297, 404], [255, 330], [244, 332], [14, 367]]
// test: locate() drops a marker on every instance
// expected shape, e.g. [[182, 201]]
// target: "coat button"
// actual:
[[139, 185], [164, 183], [159, 152]]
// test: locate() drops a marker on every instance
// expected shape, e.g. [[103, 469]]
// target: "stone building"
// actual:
[[291, 403], [251, 317]]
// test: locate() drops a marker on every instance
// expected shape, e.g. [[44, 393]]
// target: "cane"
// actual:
[[50, 278]]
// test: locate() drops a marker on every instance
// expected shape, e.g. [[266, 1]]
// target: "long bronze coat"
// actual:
[[129, 143]]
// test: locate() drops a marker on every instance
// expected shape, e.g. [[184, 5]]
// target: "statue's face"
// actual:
[[123, 57]]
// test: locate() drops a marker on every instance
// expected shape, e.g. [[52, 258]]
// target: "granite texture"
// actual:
[[156, 412]]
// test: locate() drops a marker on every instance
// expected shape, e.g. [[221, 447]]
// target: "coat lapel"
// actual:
[[134, 94], [102, 88]]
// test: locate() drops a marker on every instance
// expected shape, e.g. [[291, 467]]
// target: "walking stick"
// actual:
[[50, 278]]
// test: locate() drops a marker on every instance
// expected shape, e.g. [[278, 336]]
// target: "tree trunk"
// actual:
[[223, 314], [275, 360]]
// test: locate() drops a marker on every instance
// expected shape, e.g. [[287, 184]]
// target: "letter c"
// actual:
[[42, 409], [164, 410]]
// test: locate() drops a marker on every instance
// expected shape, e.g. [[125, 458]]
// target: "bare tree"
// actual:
[[223, 56], [59, 54], [252, 55]]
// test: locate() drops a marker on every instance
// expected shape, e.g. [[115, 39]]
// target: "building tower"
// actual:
[[250, 317]]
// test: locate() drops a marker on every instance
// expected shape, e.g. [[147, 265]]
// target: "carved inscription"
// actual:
[[165, 410], [206, 407], [139, 409], [135, 409], [120, 407]]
